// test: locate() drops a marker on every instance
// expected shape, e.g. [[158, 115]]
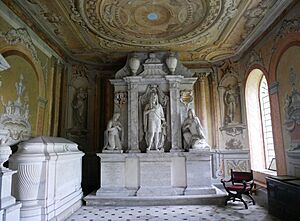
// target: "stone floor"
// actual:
[[233, 211]]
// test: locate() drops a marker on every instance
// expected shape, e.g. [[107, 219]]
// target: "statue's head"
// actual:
[[154, 98]]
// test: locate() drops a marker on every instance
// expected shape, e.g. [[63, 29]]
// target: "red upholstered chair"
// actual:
[[241, 183]]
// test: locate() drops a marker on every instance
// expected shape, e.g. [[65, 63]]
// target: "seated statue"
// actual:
[[113, 134], [193, 135]]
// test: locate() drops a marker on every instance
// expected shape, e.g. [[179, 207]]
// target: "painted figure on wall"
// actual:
[[231, 102], [154, 123], [192, 131], [113, 134], [20, 88], [79, 105]]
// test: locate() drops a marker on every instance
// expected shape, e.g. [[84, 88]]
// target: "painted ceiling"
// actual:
[[104, 31]]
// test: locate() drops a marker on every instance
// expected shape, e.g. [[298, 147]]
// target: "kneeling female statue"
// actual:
[[192, 131], [113, 134]]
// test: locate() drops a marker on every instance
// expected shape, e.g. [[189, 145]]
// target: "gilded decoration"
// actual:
[[186, 97]]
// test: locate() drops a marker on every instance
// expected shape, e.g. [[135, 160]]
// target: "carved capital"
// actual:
[[132, 86], [201, 76], [174, 85]]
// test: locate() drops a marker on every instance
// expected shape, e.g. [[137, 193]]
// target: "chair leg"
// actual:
[[251, 198], [246, 206], [227, 199]]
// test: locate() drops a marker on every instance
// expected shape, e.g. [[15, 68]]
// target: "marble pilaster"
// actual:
[[174, 82], [133, 142], [9, 208]]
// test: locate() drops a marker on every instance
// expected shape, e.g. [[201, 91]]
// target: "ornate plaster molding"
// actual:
[[20, 35], [287, 26], [255, 58], [79, 72], [76, 16]]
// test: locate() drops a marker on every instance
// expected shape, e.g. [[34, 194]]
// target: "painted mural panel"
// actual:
[[288, 65], [10, 79]]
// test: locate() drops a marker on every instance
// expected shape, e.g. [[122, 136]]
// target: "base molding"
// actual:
[[115, 191], [209, 199], [160, 191]]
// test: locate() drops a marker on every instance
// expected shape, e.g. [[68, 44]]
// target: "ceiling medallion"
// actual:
[[148, 22], [152, 16]]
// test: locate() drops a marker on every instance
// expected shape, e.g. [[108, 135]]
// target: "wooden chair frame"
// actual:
[[241, 184]]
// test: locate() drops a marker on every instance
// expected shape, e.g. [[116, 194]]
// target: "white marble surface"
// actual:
[[169, 85], [9, 208], [155, 174], [234, 211], [48, 182]]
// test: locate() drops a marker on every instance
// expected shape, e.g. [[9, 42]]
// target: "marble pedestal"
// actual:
[[9, 208], [155, 174], [48, 182], [113, 175]]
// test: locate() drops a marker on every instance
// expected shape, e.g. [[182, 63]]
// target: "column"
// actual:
[[133, 109], [200, 86], [174, 82], [216, 110]]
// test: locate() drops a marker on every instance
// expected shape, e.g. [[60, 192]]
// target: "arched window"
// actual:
[[259, 122]]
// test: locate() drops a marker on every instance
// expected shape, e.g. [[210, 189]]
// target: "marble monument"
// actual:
[[164, 152]]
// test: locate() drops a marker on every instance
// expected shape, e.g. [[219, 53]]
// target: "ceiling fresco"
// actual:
[[104, 31]]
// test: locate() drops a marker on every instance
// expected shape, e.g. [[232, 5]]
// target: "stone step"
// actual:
[[210, 199]]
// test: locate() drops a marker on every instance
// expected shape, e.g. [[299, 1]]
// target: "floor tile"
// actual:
[[233, 211]]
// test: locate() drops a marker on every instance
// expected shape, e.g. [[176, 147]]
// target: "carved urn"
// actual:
[[7, 138], [134, 64], [171, 62]]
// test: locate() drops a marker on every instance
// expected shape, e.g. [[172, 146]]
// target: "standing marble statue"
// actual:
[[230, 101], [79, 108], [113, 134], [154, 123], [192, 131]]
